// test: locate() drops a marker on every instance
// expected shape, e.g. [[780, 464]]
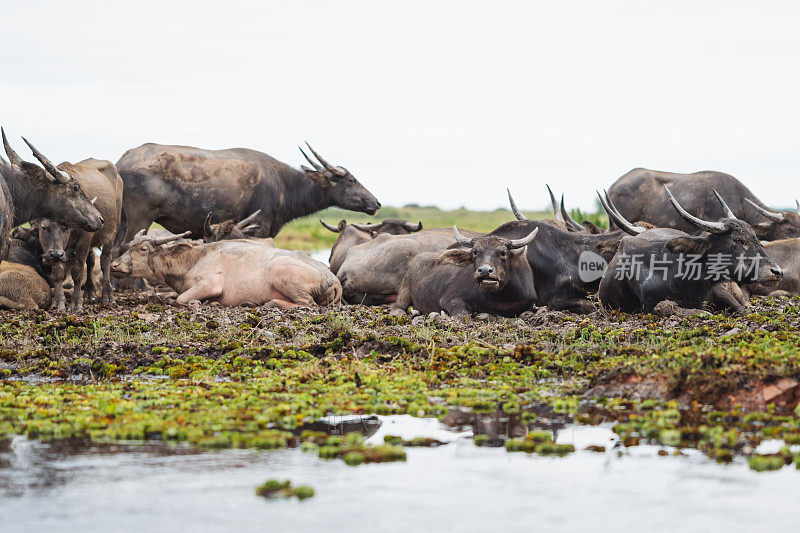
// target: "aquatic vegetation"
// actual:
[[256, 378], [273, 488]]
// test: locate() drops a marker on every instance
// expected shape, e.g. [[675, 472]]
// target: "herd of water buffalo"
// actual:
[[698, 240]]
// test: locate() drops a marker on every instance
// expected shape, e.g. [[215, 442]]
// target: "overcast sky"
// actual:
[[441, 103]]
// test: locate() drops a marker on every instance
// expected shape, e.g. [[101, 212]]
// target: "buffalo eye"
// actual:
[[474, 253], [502, 253]]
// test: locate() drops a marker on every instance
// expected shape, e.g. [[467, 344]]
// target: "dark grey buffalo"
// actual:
[[29, 192], [487, 274], [690, 270], [350, 235], [178, 186], [638, 196], [372, 271]]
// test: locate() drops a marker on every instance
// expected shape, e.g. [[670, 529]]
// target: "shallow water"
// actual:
[[457, 486]]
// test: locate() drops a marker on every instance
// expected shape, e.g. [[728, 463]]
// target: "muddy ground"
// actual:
[[221, 377]]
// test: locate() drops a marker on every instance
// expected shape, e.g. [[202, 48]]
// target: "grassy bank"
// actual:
[[308, 234]]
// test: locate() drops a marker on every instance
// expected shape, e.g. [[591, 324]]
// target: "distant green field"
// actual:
[[308, 234]]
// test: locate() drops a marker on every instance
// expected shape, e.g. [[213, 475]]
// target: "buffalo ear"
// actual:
[[591, 228], [608, 248], [689, 245], [342, 225], [456, 257]]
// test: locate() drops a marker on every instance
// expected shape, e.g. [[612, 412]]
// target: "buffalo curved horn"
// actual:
[[93, 200], [711, 227], [367, 227], [59, 175], [766, 212], [728, 212], [207, 224], [140, 234], [329, 227], [313, 163], [568, 220], [165, 240], [332, 168], [556, 212], [616, 217], [525, 241], [411, 227], [245, 221], [15, 159], [252, 228], [460, 239], [514, 208]]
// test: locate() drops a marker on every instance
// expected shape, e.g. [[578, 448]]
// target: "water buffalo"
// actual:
[[29, 192], [649, 269], [786, 253], [41, 246], [372, 271], [230, 229], [101, 180], [231, 272], [22, 288], [638, 196], [177, 186], [499, 282], [350, 235]]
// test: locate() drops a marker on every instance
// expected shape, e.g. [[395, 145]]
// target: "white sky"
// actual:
[[442, 103]]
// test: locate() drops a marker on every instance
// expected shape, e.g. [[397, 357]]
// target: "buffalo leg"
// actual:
[[209, 288], [722, 299], [105, 267], [82, 248], [59, 273], [23, 304], [89, 287], [281, 304]]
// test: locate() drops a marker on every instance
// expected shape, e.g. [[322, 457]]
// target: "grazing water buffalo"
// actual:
[[28, 192], [372, 271], [651, 268], [21, 287], [101, 180], [177, 186], [500, 281], [230, 229], [638, 196], [231, 272], [350, 235]]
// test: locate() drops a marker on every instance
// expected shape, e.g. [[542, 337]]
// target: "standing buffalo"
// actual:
[[28, 192], [650, 269], [638, 196], [350, 235], [231, 272], [99, 179], [500, 281], [177, 186]]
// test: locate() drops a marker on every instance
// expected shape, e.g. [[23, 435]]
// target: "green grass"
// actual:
[[308, 234]]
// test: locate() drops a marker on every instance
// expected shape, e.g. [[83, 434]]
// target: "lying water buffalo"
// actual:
[[638, 196], [230, 229], [499, 282], [177, 186], [22, 288], [350, 235], [372, 271], [567, 265], [41, 246], [28, 192], [659, 265], [786, 253], [100, 180], [231, 272]]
